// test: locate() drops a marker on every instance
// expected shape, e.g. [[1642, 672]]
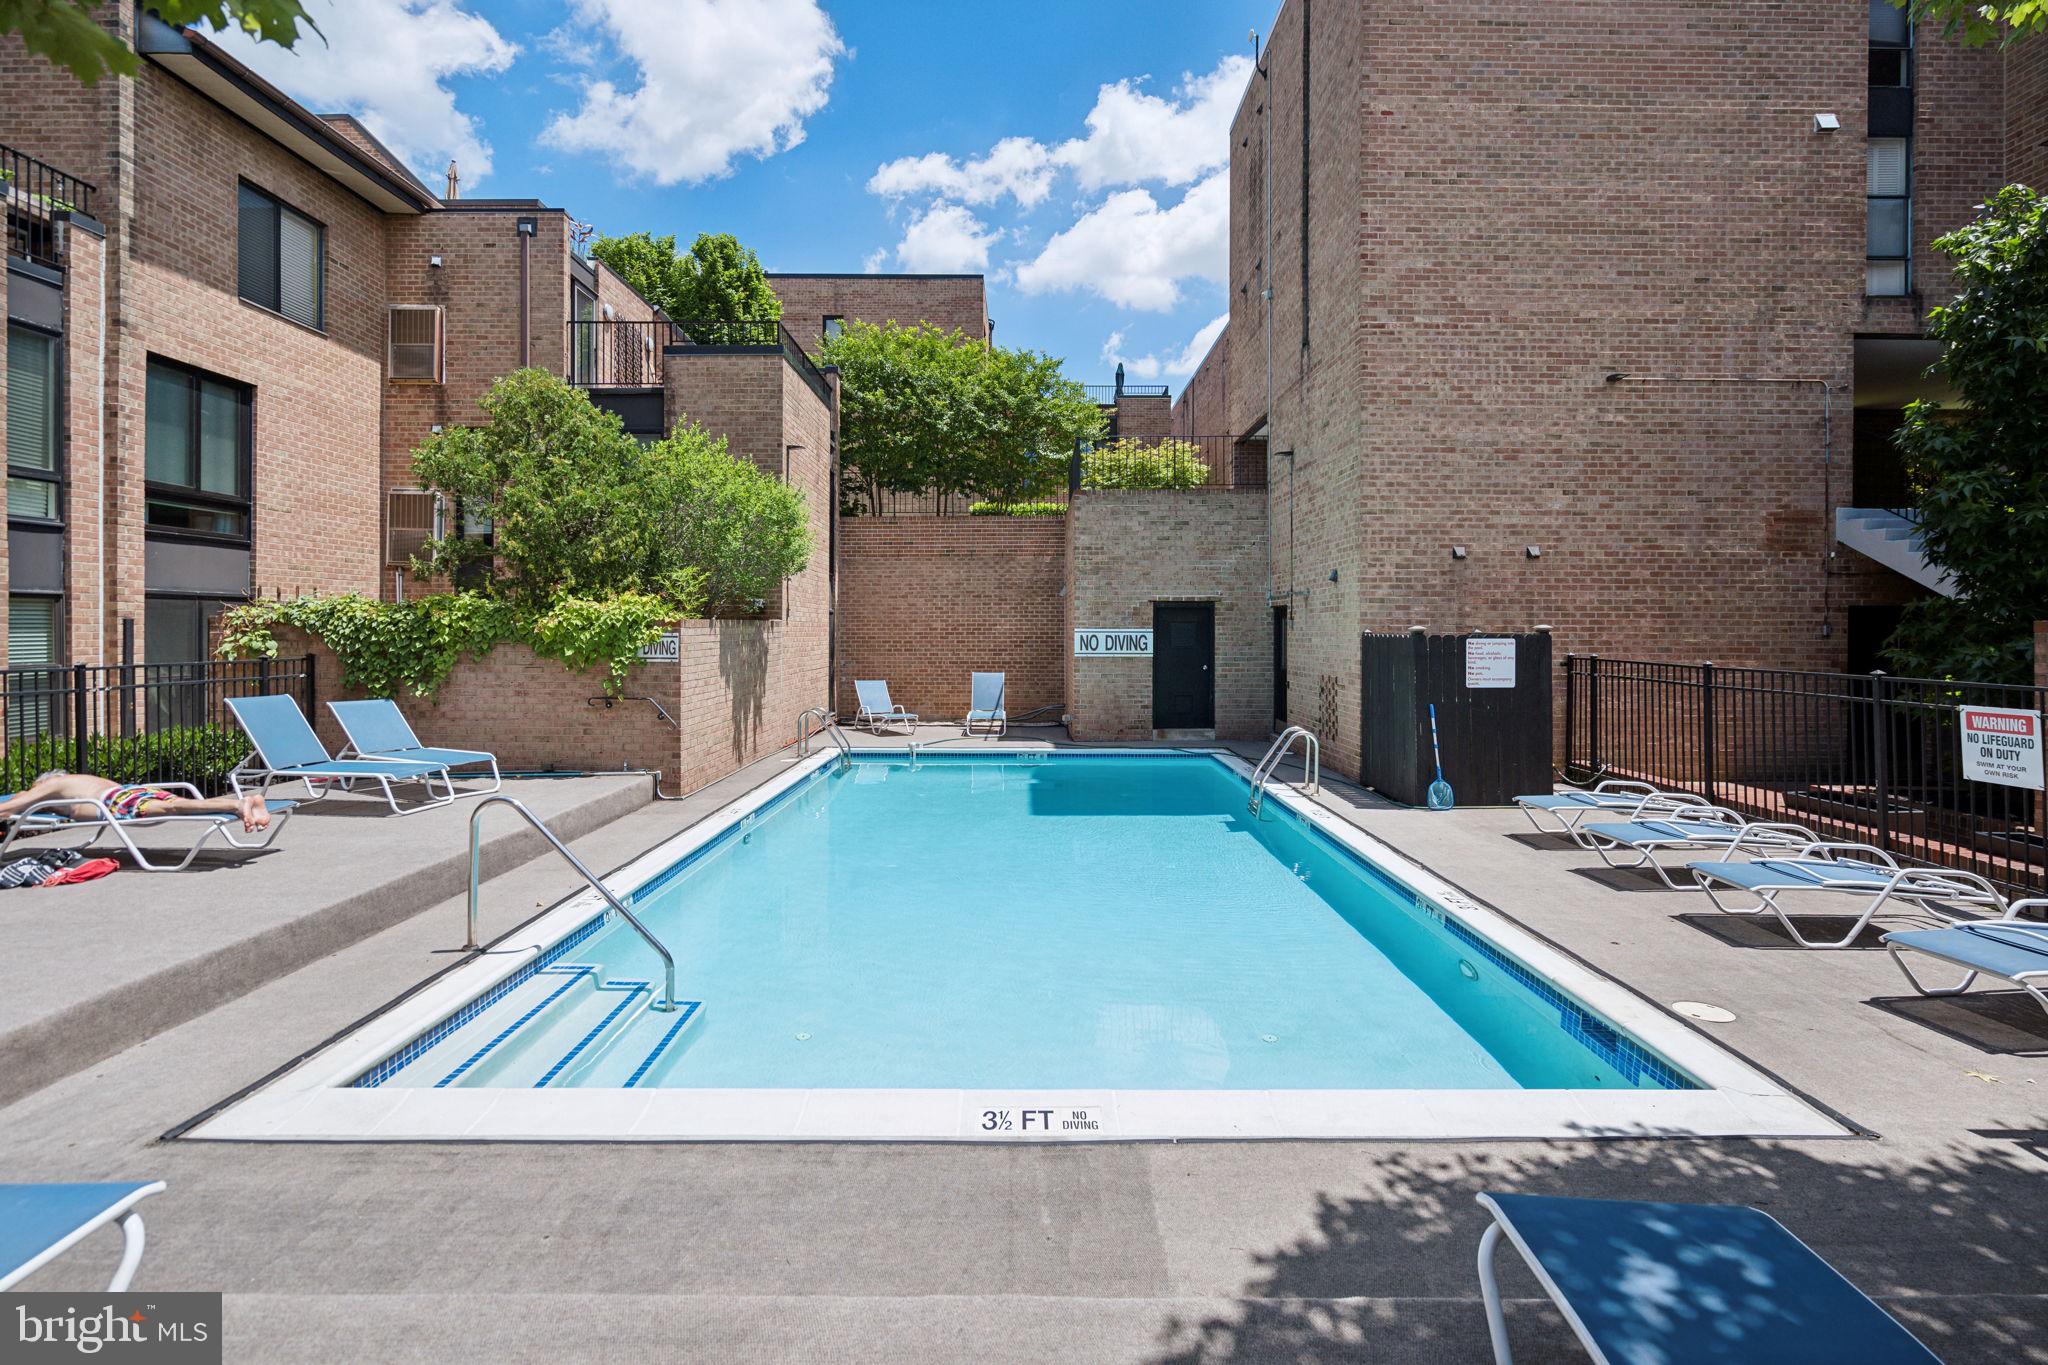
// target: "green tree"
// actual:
[[1980, 467], [716, 280], [923, 409], [1977, 22], [65, 32], [579, 509]]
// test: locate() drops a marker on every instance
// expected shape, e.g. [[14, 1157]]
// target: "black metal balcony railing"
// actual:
[[1108, 393], [752, 334], [616, 355], [35, 194], [1148, 463]]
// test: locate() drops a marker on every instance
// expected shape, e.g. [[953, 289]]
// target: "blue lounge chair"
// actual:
[[287, 748], [1687, 1284], [876, 710], [1692, 828], [1613, 797], [39, 1222], [985, 705], [1848, 869], [378, 729], [2007, 949], [60, 816]]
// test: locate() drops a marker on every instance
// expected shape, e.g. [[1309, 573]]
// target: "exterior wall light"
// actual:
[[434, 261], [1533, 551], [1457, 552], [1826, 123], [1333, 575]]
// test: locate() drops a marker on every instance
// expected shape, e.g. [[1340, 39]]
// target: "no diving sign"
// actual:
[[2002, 746]]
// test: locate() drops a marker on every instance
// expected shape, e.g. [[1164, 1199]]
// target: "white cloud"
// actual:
[[1016, 166], [385, 61], [1134, 137], [1134, 253], [716, 80], [1150, 367], [872, 263], [945, 239]]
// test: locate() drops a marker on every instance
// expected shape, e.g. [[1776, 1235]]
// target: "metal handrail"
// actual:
[[667, 1003], [1311, 764], [828, 726]]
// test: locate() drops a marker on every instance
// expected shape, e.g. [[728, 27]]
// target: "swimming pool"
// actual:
[[1022, 944]]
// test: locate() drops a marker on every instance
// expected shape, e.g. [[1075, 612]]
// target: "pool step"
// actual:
[[446, 1054]]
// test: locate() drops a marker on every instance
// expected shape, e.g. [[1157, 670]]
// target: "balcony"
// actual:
[[616, 355], [35, 195], [747, 337]]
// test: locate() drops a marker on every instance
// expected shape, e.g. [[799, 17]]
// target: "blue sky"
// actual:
[[1073, 152]]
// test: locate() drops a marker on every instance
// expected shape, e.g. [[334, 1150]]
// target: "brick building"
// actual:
[[814, 307], [1591, 317]]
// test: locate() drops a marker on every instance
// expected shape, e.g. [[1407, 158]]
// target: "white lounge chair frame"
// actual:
[[414, 752], [1926, 889], [2034, 983], [132, 1240], [995, 715], [1629, 800], [875, 712], [324, 777], [58, 816], [1759, 839]]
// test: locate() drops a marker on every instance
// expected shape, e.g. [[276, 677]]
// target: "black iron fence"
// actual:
[[616, 355], [34, 193], [1170, 462], [1107, 394], [137, 722], [1864, 757]]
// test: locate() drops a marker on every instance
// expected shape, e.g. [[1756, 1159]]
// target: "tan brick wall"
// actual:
[[954, 302], [1127, 551], [1140, 418], [925, 601], [1507, 201], [1203, 408]]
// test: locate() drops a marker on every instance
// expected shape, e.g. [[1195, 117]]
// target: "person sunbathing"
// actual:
[[131, 802]]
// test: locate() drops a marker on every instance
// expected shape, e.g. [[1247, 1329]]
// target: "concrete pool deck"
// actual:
[[1193, 1252]]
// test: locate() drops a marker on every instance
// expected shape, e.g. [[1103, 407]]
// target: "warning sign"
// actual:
[[2002, 746]]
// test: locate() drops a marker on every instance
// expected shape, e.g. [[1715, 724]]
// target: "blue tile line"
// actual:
[[689, 1012], [405, 1056], [633, 989], [575, 974]]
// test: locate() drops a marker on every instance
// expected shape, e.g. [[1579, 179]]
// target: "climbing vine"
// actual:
[[390, 648]]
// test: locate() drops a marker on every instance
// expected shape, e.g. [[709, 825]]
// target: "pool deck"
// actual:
[[1189, 1252]]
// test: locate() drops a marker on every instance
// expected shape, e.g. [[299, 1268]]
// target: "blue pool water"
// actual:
[[1075, 922]]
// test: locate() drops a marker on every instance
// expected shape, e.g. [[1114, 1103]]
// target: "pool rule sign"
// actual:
[[2002, 746], [1013, 1117]]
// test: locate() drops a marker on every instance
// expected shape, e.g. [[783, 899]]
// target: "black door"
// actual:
[[1183, 665], [1279, 668]]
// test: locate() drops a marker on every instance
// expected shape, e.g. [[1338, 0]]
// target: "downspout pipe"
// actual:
[[527, 228]]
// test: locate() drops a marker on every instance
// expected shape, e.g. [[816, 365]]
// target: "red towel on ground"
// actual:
[[92, 869]]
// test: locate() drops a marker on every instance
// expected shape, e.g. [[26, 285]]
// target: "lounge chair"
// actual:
[[2008, 949], [876, 710], [1615, 796], [985, 705], [1686, 1284], [287, 748], [1692, 828], [378, 729], [1847, 869], [59, 816], [39, 1222]]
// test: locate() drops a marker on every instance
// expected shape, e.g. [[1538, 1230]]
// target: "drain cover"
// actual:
[[1706, 1014]]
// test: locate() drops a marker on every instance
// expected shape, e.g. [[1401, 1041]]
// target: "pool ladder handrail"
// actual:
[[828, 726], [667, 1004], [1276, 753]]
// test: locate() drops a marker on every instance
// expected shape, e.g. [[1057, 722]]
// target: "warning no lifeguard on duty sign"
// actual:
[[2002, 746]]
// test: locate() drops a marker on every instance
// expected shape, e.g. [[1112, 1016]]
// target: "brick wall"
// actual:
[[954, 302], [1203, 408], [1143, 417], [1127, 551], [2026, 113], [925, 601]]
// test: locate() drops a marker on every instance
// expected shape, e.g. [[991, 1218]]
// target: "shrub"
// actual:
[[200, 754], [1017, 509], [1144, 463]]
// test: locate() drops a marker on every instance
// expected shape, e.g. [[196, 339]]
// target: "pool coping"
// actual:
[[315, 1098]]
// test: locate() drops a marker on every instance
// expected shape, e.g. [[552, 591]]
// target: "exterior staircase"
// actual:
[[1892, 538]]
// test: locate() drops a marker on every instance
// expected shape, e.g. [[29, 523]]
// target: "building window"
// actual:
[[1888, 270], [196, 455], [1891, 45], [583, 355], [33, 641], [34, 485], [281, 259], [834, 325]]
